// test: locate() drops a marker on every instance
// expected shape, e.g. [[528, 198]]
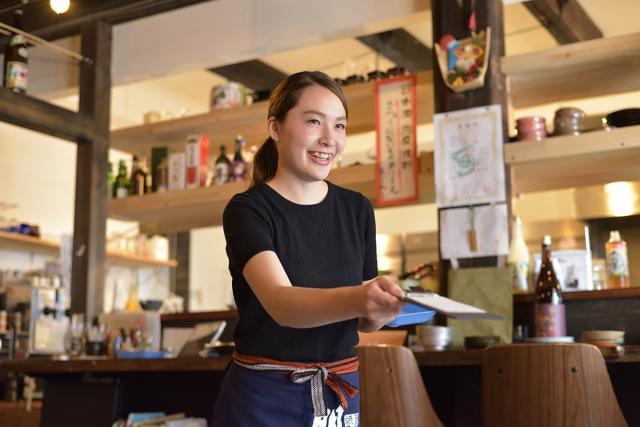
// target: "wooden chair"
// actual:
[[392, 393], [547, 385], [382, 338]]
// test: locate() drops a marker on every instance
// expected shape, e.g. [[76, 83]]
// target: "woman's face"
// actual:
[[312, 135]]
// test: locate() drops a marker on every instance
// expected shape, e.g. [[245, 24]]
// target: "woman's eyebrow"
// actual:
[[318, 113]]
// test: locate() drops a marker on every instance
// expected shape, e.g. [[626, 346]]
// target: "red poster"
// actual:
[[397, 157]]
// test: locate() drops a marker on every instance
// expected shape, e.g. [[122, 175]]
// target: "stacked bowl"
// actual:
[[433, 338], [610, 343]]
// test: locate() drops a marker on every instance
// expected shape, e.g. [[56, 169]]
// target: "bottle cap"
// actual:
[[546, 240], [614, 236]]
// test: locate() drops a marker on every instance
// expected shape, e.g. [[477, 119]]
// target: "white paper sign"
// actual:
[[397, 160], [469, 160], [490, 224]]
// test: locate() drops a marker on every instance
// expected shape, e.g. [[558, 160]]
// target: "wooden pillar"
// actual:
[[452, 17], [88, 265]]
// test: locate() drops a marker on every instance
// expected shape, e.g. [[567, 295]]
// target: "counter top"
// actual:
[[104, 365], [454, 357]]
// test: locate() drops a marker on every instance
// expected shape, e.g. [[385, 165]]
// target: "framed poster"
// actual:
[[396, 159], [468, 157]]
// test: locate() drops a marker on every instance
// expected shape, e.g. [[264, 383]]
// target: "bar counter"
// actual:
[[455, 357], [109, 388]]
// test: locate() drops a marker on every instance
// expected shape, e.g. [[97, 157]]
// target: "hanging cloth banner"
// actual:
[[397, 159]]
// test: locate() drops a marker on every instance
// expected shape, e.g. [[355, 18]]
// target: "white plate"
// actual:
[[550, 339]]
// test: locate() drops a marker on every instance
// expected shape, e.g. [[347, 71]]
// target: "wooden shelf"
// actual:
[[591, 158], [223, 125], [578, 70], [633, 292], [203, 207], [21, 242]]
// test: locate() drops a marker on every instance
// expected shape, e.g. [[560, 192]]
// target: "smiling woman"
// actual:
[[302, 256]]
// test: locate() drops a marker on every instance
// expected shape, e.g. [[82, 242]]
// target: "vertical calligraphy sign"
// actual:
[[397, 159]]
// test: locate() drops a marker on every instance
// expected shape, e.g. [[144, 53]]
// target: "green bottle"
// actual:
[[121, 185]]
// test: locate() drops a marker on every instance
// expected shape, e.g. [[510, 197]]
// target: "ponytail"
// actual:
[[265, 163]]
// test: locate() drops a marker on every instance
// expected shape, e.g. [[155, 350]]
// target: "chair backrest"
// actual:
[[392, 393], [382, 337], [547, 385]]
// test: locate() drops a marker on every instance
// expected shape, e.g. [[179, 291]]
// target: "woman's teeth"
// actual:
[[321, 156]]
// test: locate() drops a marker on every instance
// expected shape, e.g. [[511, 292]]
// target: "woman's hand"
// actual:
[[380, 303]]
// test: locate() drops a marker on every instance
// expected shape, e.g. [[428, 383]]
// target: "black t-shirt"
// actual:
[[325, 245]]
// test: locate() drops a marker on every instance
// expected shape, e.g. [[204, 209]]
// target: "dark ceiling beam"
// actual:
[[254, 74], [566, 20], [402, 48], [41, 21]]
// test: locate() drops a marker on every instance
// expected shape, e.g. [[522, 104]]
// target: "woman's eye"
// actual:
[[314, 121], [341, 126]]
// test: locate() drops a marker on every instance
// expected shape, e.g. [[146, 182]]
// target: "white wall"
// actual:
[[209, 278]]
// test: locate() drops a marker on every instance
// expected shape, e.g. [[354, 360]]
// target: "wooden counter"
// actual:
[[115, 366], [104, 389], [454, 357]]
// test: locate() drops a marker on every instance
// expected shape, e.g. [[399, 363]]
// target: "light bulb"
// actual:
[[59, 6]]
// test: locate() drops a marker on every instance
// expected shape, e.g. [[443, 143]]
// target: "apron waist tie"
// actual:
[[317, 373]]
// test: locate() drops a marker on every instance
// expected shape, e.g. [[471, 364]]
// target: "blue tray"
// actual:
[[411, 314], [141, 354]]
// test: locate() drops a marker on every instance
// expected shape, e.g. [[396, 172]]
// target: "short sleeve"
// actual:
[[246, 231], [370, 265]]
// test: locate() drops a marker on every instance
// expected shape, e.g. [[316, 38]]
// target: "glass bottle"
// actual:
[[133, 305], [238, 165], [16, 59], [617, 261], [549, 312], [121, 186], [223, 166], [138, 178], [519, 258], [162, 174]]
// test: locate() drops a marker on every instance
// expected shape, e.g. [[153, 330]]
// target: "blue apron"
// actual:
[[264, 399]]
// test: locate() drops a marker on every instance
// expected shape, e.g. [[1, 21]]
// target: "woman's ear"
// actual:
[[274, 128]]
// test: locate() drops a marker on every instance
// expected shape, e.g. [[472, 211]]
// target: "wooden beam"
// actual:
[[566, 20], [254, 74], [87, 276], [41, 21], [402, 48], [40, 116], [450, 17]]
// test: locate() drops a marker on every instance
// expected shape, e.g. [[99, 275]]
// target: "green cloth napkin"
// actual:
[[489, 288]]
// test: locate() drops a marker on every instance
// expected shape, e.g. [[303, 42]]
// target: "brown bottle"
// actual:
[[138, 178], [549, 314], [16, 59]]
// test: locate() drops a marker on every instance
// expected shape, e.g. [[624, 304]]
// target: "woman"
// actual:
[[302, 257]]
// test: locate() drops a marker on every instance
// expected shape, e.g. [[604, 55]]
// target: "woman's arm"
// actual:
[[300, 307]]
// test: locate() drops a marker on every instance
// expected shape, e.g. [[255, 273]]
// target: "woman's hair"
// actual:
[[284, 98]]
